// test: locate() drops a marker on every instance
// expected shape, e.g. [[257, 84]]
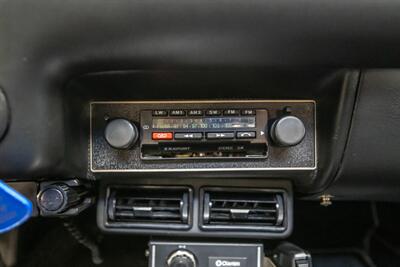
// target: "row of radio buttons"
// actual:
[[198, 136], [208, 112]]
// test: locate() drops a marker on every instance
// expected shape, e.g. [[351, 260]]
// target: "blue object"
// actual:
[[15, 209]]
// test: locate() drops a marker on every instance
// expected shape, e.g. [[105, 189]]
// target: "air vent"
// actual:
[[260, 210], [149, 207]]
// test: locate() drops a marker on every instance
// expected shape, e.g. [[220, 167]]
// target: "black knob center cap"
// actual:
[[121, 133], [52, 199], [288, 131]]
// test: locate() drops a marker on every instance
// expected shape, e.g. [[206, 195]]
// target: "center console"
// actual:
[[207, 178], [196, 136]]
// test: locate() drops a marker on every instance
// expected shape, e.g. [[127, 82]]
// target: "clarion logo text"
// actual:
[[223, 263]]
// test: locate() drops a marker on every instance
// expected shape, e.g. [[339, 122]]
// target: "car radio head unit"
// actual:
[[220, 135]]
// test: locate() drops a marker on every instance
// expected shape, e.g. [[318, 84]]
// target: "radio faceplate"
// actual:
[[220, 135], [208, 134]]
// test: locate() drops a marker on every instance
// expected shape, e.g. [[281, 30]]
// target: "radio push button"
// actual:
[[162, 136], [248, 112], [213, 112], [231, 112], [177, 112], [195, 112], [158, 113], [224, 135], [245, 135], [188, 136]]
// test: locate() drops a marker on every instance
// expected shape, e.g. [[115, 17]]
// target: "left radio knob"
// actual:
[[121, 133]]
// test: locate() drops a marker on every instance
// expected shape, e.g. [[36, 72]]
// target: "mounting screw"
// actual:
[[326, 200]]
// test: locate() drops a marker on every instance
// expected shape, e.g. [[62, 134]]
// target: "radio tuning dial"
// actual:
[[288, 131], [121, 133], [181, 258]]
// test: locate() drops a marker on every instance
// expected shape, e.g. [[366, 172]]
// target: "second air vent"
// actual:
[[243, 209]]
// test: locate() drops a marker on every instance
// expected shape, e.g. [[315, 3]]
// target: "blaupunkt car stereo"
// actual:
[[225, 135]]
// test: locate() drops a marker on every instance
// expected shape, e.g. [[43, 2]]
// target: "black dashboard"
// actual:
[[210, 131], [194, 101]]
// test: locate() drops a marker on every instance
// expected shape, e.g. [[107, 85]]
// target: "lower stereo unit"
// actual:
[[186, 254]]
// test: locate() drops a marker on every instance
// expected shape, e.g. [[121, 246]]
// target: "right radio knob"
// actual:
[[288, 131]]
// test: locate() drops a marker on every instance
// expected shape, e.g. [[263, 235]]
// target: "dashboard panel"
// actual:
[[323, 100], [186, 53]]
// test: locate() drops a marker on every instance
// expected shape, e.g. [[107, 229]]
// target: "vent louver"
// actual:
[[148, 206], [252, 210]]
